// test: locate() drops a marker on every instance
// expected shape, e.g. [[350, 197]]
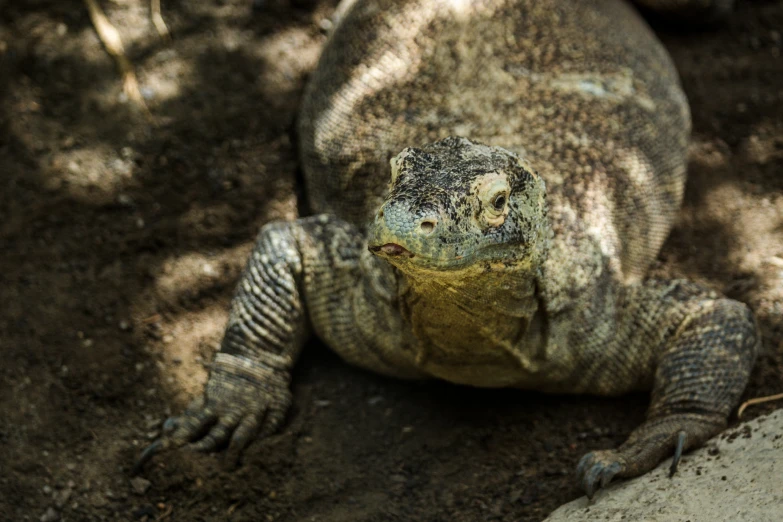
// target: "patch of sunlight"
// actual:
[[188, 337], [460, 8], [196, 273], [93, 175], [755, 223], [708, 153], [160, 76], [744, 212], [188, 343], [287, 56], [163, 76]]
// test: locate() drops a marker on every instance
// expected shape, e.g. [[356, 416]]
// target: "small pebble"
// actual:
[[208, 269], [140, 485], [62, 497], [50, 516], [325, 25]]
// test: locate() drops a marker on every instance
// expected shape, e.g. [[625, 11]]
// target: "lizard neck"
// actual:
[[464, 323]]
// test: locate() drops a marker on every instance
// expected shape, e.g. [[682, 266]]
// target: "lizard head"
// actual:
[[455, 204]]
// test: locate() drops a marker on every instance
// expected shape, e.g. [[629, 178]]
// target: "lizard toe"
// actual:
[[585, 463], [177, 431], [146, 455], [218, 435], [243, 435], [597, 469]]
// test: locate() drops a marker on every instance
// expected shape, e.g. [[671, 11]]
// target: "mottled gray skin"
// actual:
[[512, 257]]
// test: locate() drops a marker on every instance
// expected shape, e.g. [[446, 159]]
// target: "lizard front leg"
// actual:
[[701, 368], [248, 391]]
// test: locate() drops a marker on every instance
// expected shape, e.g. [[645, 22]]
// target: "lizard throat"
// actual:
[[479, 323]]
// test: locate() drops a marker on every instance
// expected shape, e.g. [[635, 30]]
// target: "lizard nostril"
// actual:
[[427, 226], [380, 213]]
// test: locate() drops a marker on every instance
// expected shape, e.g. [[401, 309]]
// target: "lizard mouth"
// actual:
[[392, 250], [404, 258]]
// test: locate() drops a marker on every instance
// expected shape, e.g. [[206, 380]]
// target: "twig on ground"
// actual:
[[157, 20], [111, 40], [758, 400]]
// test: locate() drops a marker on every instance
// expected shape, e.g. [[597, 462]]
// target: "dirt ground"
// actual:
[[121, 242]]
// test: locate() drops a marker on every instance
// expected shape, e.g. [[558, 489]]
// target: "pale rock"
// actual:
[[736, 476]]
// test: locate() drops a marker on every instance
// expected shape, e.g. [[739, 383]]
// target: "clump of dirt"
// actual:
[[122, 242]]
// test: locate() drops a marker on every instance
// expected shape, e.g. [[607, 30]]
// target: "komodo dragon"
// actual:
[[490, 182]]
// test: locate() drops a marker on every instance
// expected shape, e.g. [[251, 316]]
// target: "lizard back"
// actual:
[[582, 89]]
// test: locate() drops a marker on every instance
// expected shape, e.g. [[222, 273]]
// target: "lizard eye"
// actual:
[[493, 193], [499, 202]]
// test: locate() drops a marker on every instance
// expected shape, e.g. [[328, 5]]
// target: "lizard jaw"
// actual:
[[391, 250]]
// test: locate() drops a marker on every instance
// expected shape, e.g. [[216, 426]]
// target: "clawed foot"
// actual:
[[647, 446], [240, 403], [201, 429]]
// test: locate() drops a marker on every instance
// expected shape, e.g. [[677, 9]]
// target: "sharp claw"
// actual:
[[609, 474], [146, 455], [596, 472], [588, 487], [681, 438], [591, 479], [584, 463]]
